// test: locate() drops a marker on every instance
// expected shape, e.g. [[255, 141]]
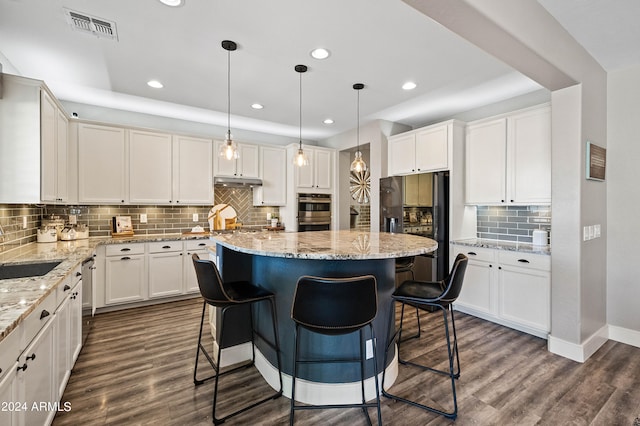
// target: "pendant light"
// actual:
[[358, 165], [229, 150], [300, 159]]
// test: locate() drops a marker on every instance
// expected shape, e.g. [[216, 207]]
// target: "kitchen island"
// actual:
[[275, 261]]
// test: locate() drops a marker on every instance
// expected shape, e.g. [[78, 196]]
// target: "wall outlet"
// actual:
[[268, 216], [73, 219], [143, 218], [369, 349], [195, 217], [24, 222]]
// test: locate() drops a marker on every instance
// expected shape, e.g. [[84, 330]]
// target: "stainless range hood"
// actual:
[[230, 182]]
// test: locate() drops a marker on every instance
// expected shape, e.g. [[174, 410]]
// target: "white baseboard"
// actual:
[[624, 335], [315, 393], [578, 352]]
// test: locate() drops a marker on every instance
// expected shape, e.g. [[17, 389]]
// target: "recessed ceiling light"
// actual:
[[328, 121], [155, 84], [409, 85], [257, 106], [320, 53], [172, 3]]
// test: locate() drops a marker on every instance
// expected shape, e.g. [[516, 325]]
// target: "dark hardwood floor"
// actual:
[[136, 369]]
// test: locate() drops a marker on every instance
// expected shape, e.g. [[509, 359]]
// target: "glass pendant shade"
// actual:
[[229, 150], [300, 159], [358, 165]]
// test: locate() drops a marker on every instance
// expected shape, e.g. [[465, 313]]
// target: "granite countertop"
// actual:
[[21, 296], [328, 245], [504, 245]]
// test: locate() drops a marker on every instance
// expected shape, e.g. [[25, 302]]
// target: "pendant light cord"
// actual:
[[229, 93], [300, 141], [358, 122]]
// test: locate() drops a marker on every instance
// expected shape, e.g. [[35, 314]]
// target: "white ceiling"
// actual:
[[381, 44]]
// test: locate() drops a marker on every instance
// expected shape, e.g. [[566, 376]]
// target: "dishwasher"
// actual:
[[88, 269]]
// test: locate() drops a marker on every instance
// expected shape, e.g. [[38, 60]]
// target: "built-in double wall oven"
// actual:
[[314, 212]]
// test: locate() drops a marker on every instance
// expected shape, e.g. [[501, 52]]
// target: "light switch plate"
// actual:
[[143, 218], [596, 231], [195, 217]]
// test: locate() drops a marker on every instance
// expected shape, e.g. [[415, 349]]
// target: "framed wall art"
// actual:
[[596, 162]]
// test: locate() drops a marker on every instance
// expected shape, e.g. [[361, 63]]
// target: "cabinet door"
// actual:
[[477, 290], [75, 324], [49, 152], [524, 296], [485, 180], [150, 160], [62, 348], [35, 383], [323, 170], [190, 279], [529, 150], [8, 394], [62, 148], [273, 171], [192, 170], [305, 174], [101, 163], [432, 150], [125, 279], [401, 153], [165, 274], [248, 164]]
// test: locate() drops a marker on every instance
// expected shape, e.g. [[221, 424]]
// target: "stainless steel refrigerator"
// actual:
[[419, 205]]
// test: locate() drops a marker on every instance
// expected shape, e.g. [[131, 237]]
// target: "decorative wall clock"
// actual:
[[360, 186]]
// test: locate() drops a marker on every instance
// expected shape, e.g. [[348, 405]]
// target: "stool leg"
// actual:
[[375, 374], [455, 342], [295, 373], [215, 388], [276, 341]]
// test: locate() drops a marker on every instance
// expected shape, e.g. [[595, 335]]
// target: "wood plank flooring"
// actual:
[[137, 365]]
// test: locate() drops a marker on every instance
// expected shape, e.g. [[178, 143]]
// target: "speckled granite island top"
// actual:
[[504, 245], [328, 245], [21, 296]]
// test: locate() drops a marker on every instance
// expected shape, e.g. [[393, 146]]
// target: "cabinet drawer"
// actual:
[[9, 351], [64, 288], [165, 246], [526, 260], [192, 245], [476, 253], [124, 249], [38, 319]]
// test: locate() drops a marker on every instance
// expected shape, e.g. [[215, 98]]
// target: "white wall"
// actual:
[[623, 203]]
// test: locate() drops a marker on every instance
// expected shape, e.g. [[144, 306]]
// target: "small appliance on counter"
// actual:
[[74, 232]]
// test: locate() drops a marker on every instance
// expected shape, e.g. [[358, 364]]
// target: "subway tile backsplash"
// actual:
[[512, 223]]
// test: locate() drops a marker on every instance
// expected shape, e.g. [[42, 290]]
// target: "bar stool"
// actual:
[[405, 264], [335, 306], [439, 295], [228, 295]]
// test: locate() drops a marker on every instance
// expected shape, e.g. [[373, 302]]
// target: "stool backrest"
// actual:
[[335, 305], [209, 281], [454, 280]]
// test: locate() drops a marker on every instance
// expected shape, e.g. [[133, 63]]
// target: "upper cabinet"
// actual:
[[150, 157], [102, 167], [54, 140], [318, 174], [419, 151], [508, 159], [192, 170], [246, 165], [273, 172]]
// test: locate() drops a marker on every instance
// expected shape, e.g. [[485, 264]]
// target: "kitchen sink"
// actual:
[[22, 270]]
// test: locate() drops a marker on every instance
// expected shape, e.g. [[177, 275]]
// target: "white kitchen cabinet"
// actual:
[[507, 287], [318, 174], [508, 159], [191, 247], [150, 161], [192, 170], [421, 150], [8, 395], [75, 324], [35, 378], [54, 140], [273, 172], [246, 165], [125, 274], [102, 165], [165, 268]]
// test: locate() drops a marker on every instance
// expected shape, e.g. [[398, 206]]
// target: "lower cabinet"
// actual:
[[507, 287], [139, 272]]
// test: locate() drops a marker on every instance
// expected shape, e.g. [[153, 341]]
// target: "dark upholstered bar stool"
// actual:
[[335, 306], [227, 295], [405, 264], [432, 295]]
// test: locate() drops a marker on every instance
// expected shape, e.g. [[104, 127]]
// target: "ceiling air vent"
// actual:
[[90, 24]]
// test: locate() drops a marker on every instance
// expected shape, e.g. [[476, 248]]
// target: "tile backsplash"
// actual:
[[512, 223], [12, 231]]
